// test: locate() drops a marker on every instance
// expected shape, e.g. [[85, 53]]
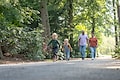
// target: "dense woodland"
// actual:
[[26, 25]]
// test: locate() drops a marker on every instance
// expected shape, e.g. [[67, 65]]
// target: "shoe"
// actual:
[[68, 59], [82, 58], [92, 59]]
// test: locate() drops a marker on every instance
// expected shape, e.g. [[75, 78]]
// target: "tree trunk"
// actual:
[[45, 19], [118, 10], [93, 20], [1, 53], [116, 35], [70, 19], [93, 24]]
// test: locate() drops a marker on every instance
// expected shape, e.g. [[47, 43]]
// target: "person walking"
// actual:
[[67, 49], [93, 43], [82, 43], [55, 45]]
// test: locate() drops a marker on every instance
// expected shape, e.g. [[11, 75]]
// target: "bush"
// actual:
[[22, 41], [117, 52]]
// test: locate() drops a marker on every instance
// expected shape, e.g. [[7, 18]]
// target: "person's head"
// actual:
[[83, 32], [92, 34], [66, 41], [54, 36]]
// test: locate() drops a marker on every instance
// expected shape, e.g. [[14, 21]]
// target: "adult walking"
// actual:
[[82, 43], [93, 43]]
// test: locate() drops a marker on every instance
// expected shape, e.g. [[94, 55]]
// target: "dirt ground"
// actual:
[[20, 59], [9, 60]]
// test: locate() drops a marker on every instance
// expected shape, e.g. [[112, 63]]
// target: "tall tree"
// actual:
[[70, 20], [118, 11], [93, 3], [114, 10], [45, 18], [1, 53]]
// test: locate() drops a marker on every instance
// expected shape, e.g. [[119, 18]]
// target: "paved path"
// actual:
[[99, 69]]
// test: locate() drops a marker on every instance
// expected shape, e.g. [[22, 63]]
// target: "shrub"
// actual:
[[117, 52], [22, 41]]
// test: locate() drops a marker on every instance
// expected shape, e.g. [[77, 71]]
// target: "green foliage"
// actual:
[[61, 55], [117, 52], [12, 14], [18, 41], [20, 19], [18, 30], [33, 4], [107, 45]]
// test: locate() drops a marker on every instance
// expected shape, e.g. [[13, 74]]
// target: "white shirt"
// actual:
[[83, 39]]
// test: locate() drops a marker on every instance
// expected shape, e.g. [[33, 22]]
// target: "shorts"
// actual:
[[55, 50]]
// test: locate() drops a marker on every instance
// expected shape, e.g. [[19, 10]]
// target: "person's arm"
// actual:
[[70, 47], [87, 40], [79, 41], [63, 47], [58, 44], [49, 43], [96, 42]]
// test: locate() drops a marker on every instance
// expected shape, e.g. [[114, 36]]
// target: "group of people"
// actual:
[[92, 44], [83, 40], [56, 45]]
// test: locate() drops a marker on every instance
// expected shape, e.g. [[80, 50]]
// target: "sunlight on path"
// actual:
[[115, 64], [114, 67], [105, 57]]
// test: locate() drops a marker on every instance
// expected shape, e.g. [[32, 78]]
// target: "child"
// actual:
[[55, 45], [67, 48]]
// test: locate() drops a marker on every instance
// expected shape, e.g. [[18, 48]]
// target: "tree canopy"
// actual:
[[26, 24]]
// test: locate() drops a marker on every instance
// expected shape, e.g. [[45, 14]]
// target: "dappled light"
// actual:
[[26, 26], [113, 67], [59, 39]]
